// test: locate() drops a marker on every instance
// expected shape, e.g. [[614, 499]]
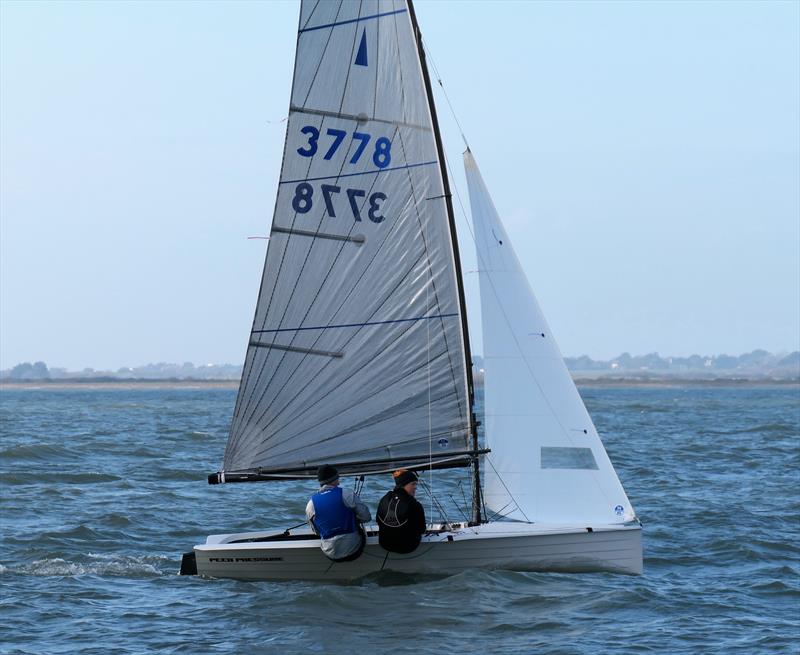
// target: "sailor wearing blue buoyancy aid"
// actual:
[[335, 515]]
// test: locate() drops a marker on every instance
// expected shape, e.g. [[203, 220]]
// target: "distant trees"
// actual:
[[757, 363], [793, 359], [28, 371]]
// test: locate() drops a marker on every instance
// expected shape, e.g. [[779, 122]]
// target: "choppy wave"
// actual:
[[95, 564], [39, 452], [57, 477]]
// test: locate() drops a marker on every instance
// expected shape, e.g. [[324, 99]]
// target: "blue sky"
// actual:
[[645, 158]]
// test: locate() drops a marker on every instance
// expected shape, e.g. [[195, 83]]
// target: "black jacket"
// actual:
[[401, 521]]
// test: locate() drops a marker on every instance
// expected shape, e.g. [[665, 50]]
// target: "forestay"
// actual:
[[357, 347], [547, 462]]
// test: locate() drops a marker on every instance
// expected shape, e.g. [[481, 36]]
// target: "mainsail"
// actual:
[[547, 463], [358, 350]]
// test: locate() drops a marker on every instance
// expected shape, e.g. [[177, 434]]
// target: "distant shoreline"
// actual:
[[118, 384], [107, 384], [685, 382]]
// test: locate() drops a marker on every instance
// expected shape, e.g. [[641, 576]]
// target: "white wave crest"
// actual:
[[102, 564]]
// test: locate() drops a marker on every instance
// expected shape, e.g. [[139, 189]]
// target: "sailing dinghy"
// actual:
[[359, 354]]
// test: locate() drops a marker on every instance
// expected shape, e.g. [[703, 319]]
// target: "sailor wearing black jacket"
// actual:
[[401, 518]]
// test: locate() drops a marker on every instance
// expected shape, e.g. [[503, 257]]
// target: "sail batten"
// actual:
[[310, 351], [354, 351], [358, 239], [360, 118], [346, 325]]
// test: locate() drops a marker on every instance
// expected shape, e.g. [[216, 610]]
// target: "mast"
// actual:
[[473, 425]]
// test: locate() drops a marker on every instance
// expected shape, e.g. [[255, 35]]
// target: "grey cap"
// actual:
[[327, 474]]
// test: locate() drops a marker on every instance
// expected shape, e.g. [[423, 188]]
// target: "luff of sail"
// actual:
[[547, 462], [357, 351]]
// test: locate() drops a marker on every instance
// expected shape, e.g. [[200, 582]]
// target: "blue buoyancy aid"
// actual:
[[331, 516]]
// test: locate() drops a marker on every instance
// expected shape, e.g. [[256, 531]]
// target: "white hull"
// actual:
[[500, 545]]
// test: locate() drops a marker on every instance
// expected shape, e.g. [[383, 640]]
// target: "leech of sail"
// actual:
[[347, 325], [377, 170], [352, 20], [294, 349], [477, 501], [359, 238]]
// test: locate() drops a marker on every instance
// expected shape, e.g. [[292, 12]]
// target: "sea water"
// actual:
[[103, 489]]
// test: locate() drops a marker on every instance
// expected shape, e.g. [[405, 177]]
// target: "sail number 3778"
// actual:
[[381, 156], [303, 199]]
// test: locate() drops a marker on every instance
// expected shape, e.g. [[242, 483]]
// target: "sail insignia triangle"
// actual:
[[361, 57]]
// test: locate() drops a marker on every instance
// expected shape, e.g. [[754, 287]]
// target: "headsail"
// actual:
[[547, 462], [357, 351]]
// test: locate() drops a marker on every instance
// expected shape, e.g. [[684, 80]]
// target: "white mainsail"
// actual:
[[357, 351], [547, 462]]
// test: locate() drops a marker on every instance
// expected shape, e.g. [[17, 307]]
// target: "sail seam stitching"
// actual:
[[351, 21], [376, 172]]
